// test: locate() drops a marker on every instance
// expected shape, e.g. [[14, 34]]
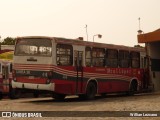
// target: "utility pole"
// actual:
[[139, 31], [86, 32]]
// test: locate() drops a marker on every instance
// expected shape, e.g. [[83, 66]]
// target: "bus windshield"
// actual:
[[33, 47]]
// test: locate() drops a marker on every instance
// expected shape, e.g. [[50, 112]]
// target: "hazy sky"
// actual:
[[116, 20]]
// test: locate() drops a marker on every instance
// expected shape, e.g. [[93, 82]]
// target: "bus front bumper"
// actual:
[[49, 87]]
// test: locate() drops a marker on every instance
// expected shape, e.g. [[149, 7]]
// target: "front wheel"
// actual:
[[91, 91], [14, 93]]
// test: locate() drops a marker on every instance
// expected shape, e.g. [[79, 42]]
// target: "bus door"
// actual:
[[78, 62]]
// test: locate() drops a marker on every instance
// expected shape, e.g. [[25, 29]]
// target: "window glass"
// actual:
[[88, 56], [64, 54], [98, 55], [124, 59], [112, 58], [33, 47], [135, 59]]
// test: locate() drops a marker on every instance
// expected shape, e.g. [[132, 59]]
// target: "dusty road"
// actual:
[[139, 102]]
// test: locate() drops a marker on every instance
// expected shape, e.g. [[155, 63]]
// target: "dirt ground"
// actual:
[[139, 102]]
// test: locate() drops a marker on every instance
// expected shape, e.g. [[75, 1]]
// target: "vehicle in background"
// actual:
[[5, 78]]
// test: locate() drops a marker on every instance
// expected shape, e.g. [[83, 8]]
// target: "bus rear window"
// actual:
[[33, 46]]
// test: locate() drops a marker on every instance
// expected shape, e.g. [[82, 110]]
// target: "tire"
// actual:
[[103, 94], [91, 91], [82, 96], [14, 93], [59, 97], [36, 94], [132, 89], [1, 95]]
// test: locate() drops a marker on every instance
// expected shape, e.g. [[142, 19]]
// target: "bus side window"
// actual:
[[64, 54], [135, 59], [123, 59], [112, 58], [88, 56], [98, 57]]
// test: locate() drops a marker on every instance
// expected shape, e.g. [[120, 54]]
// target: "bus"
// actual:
[[5, 78], [60, 67]]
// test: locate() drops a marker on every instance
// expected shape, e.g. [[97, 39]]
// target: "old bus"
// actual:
[[64, 67], [5, 78]]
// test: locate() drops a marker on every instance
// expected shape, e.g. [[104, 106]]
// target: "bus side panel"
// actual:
[[113, 86], [119, 86], [64, 86], [104, 87]]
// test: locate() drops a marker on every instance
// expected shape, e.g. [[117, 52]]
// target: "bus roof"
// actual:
[[96, 44], [87, 43]]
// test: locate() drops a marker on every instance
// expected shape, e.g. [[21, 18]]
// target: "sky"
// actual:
[[116, 20]]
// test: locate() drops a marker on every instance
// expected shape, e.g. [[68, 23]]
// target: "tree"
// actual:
[[138, 46], [8, 41]]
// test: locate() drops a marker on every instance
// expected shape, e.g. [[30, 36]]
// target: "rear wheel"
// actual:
[[103, 94], [59, 97], [36, 94], [91, 91], [82, 96], [133, 88], [14, 93]]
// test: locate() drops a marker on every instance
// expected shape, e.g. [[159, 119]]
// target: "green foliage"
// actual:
[[8, 41], [138, 46]]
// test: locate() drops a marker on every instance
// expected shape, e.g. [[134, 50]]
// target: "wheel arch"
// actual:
[[135, 81], [94, 80]]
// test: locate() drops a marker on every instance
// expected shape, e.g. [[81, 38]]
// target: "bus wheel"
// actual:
[[133, 88], [1, 95], [103, 94], [36, 94], [82, 96], [14, 93], [59, 97], [91, 91]]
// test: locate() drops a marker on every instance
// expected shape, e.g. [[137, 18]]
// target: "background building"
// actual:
[[152, 42]]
